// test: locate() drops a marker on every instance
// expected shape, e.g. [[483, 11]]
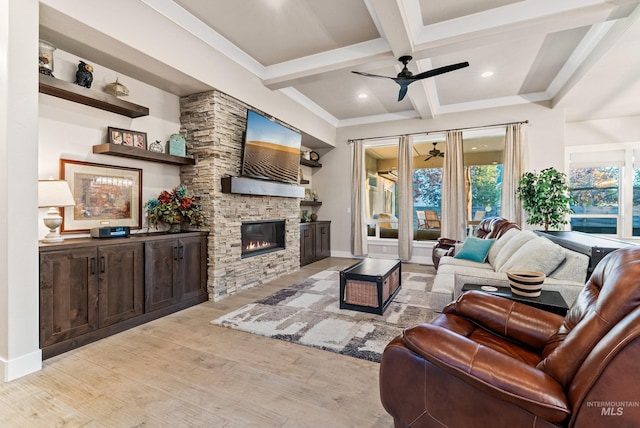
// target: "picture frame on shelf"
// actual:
[[105, 195], [308, 194], [127, 137]]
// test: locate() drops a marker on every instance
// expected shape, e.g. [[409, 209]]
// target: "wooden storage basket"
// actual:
[[365, 293]]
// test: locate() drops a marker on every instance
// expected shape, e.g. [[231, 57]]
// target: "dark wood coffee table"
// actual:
[[550, 301], [370, 285]]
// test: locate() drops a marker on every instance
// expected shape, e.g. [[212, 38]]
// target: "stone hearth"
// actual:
[[213, 125]]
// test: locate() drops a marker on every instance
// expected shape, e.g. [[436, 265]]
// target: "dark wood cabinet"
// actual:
[[175, 272], [68, 294], [120, 283], [315, 241], [92, 288]]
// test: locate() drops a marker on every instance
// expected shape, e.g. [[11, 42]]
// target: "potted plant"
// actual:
[[545, 197], [174, 208]]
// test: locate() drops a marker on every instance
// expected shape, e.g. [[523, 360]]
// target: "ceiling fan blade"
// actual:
[[372, 75], [441, 70], [403, 92]]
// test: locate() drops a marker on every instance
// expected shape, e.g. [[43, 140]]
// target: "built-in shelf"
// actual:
[[136, 153], [310, 203], [303, 181], [89, 97], [312, 164]]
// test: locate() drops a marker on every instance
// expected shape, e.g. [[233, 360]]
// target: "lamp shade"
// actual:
[[54, 193]]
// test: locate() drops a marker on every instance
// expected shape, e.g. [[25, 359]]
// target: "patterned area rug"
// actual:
[[309, 313]]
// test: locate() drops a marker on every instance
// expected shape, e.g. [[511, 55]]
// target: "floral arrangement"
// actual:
[[173, 208]]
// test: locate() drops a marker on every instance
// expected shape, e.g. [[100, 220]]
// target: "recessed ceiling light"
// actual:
[[363, 96], [474, 148], [487, 74]]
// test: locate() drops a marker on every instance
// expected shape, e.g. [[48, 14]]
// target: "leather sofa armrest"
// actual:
[[524, 324], [503, 377]]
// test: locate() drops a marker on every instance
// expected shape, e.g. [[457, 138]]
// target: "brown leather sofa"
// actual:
[[487, 361], [490, 227]]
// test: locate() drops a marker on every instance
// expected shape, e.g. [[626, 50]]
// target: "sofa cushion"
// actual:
[[500, 242], [538, 254], [574, 267], [474, 249], [511, 247]]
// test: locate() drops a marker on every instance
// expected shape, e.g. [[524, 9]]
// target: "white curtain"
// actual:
[[453, 204], [359, 245], [405, 198], [512, 170]]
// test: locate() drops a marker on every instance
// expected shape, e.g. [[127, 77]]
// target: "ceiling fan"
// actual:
[[434, 153], [406, 77]]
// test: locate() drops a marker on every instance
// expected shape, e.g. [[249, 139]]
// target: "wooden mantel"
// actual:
[[250, 186]]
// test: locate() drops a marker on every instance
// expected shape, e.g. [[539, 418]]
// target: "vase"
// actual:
[[174, 228]]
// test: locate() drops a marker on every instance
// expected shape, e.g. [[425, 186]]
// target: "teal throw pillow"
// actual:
[[475, 249]]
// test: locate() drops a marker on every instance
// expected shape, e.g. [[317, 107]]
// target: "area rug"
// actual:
[[309, 313]]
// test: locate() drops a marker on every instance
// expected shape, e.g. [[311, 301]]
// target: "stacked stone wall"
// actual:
[[213, 124]]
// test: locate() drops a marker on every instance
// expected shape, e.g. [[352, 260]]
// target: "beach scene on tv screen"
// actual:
[[271, 150]]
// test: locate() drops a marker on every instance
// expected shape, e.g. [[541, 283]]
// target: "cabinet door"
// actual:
[[68, 294], [192, 254], [161, 274], [307, 243], [323, 240], [121, 282]]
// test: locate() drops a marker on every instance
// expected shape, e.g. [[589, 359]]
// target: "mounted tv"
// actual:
[[271, 151]]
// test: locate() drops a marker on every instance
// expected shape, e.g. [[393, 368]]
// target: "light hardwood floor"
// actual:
[[182, 371]]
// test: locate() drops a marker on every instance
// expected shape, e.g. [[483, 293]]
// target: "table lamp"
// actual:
[[54, 194]]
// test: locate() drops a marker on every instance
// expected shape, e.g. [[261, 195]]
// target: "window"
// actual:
[[483, 162], [595, 199], [604, 184]]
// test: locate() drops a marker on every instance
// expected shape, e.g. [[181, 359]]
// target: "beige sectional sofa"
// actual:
[[566, 270]]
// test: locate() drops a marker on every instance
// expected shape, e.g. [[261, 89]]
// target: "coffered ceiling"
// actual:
[[538, 51]]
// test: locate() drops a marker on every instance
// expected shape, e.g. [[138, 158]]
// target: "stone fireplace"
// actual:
[[260, 237], [213, 124]]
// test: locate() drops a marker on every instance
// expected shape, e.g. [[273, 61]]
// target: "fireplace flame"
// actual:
[[257, 245]]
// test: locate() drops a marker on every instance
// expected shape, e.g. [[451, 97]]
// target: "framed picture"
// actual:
[[127, 137], [105, 195], [308, 194]]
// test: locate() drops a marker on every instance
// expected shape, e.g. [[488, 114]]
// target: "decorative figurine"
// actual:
[[156, 147], [116, 89], [84, 75], [46, 57]]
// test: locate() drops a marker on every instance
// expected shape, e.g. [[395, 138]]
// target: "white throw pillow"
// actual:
[[538, 255], [511, 247], [500, 242]]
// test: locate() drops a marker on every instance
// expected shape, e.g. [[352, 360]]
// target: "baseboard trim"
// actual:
[[21, 366]]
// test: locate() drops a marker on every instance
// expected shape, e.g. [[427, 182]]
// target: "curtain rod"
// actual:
[[435, 132]]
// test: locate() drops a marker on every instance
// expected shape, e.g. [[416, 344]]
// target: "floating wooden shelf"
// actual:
[[310, 203], [136, 153], [89, 97], [312, 164]]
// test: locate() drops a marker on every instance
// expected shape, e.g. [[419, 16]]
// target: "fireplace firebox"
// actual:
[[260, 237]]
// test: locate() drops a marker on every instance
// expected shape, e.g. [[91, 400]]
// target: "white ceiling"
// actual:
[[581, 55]]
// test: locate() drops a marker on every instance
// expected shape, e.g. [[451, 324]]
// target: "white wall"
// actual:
[[603, 131], [19, 311], [70, 130]]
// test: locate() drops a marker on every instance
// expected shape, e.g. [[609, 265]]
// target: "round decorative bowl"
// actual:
[[526, 283]]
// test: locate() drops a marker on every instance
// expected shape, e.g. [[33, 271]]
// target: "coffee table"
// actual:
[[370, 285], [550, 301]]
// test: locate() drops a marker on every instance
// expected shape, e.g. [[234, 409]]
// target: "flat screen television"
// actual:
[[271, 151]]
